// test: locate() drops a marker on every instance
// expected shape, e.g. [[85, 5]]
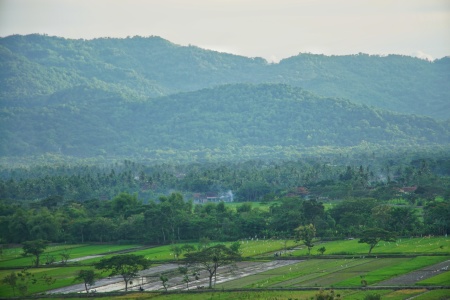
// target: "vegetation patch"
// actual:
[[442, 279], [396, 267], [415, 246], [14, 257]]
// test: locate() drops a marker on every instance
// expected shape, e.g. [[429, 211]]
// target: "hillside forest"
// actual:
[[140, 140]]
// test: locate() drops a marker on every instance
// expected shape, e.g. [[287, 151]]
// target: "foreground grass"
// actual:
[[420, 294]]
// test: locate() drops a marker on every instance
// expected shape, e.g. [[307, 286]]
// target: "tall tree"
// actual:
[[373, 236], [34, 248], [87, 276], [211, 258], [127, 266], [306, 234]]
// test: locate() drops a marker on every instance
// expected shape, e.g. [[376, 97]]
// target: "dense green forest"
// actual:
[[148, 99], [140, 140], [268, 119], [135, 202]]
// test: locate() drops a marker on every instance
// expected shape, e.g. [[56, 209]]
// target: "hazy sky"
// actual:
[[273, 29]]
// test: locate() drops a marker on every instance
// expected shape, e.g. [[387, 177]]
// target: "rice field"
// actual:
[[315, 272], [415, 246], [420, 294], [13, 258], [63, 276]]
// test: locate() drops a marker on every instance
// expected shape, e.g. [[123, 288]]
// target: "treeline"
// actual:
[[126, 219], [132, 202], [256, 180]]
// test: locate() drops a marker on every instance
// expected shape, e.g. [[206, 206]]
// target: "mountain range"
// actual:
[[145, 96]]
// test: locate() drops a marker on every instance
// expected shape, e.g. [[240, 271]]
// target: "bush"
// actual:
[[372, 297]]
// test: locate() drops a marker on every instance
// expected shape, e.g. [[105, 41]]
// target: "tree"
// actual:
[[211, 258], [373, 236], [11, 280], [126, 265], [188, 248], [164, 280], [177, 250], [87, 276], [35, 248], [306, 234], [48, 280], [236, 247], [203, 243], [184, 271], [65, 255], [321, 250], [24, 279]]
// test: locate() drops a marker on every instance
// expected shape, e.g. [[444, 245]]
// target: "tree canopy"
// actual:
[[126, 265], [373, 236], [34, 248], [211, 258]]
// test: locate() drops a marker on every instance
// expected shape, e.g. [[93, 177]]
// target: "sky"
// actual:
[[272, 29]]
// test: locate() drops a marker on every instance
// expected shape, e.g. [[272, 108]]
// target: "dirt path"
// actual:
[[109, 253], [84, 258], [418, 275]]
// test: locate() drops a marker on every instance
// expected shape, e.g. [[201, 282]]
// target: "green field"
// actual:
[[63, 276], [13, 258], [333, 272], [264, 206], [440, 280], [414, 246], [421, 294], [315, 272]]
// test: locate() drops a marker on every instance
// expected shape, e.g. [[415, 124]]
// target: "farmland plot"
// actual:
[[149, 279]]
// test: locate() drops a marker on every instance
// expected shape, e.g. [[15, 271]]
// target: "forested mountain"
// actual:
[[205, 123], [138, 67], [88, 121]]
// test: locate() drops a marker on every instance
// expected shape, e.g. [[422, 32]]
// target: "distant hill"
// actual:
[[88, 121], [136, 68]]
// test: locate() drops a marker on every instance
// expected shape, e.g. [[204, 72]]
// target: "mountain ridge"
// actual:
[[142, 67], [227, 118]]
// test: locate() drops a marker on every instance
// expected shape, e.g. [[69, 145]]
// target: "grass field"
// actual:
[[63, 276], [331, 272], [440, 280], [334, 272], [380, 272], [416, 246], [13, 257], [420, 294]]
